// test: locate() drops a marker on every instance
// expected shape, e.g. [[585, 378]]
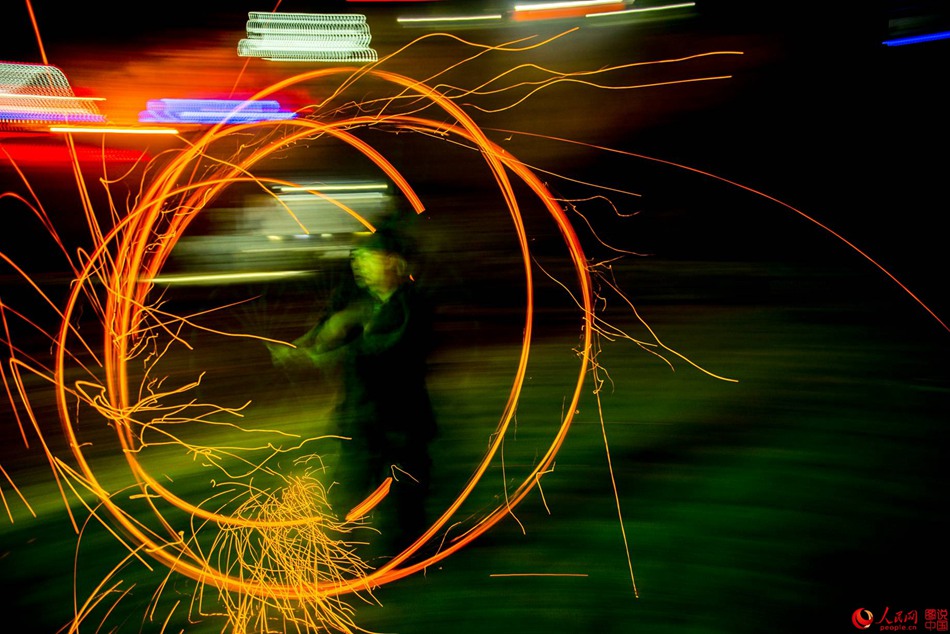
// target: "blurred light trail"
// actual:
[[449, 19], [558, 10], [352, 197], [360, 510], [24, 109], [307, 37], [638, 11], [225, 278], [212, 111], [112, 129], [333, 187], [40, 93], [52, 152], [611, 11], [917, 39]]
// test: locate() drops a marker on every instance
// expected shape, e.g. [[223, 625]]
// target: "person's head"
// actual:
[[379, 263]]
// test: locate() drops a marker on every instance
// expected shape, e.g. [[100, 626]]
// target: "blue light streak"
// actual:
[[917, 39], [210, 111]]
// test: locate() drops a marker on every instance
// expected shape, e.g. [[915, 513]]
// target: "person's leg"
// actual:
[[410, 493], [352, 476]]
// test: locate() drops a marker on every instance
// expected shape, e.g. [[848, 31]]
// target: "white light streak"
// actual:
[[307, 37], [575, 4], [450, 18], [32, 94]]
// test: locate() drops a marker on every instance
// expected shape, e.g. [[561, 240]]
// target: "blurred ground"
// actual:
[[810, 488]]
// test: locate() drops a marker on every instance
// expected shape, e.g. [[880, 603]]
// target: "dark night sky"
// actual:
[[115, 21]]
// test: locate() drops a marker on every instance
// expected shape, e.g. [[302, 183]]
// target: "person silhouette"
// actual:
[[377, 333]]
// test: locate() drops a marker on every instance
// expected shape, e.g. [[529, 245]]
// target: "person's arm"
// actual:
[[339, 328], [329, 343], [323, 344]]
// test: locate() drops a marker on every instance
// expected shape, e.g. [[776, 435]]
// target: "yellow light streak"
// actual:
[[639, 10], [449, 18], [20, 96], [73, 129], [218, 278]]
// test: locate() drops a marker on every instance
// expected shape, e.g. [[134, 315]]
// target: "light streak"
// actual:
[[52, 98], [226, 278], [369, 196], [26, 153], [639, 10], [363, 508], [31, 93], [306, 37], [560, 10], [82, 129], [917, 39], [488, 17], [568, 4], [36, 29], [333, 187], [212, 111], [34, 80]]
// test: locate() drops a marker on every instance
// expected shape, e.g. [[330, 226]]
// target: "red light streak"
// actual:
[[526, 14], [26, 153]]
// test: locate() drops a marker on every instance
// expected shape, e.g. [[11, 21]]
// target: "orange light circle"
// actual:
[[142, 244]]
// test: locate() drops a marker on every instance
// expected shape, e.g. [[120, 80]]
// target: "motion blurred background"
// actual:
[[811, 487]]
